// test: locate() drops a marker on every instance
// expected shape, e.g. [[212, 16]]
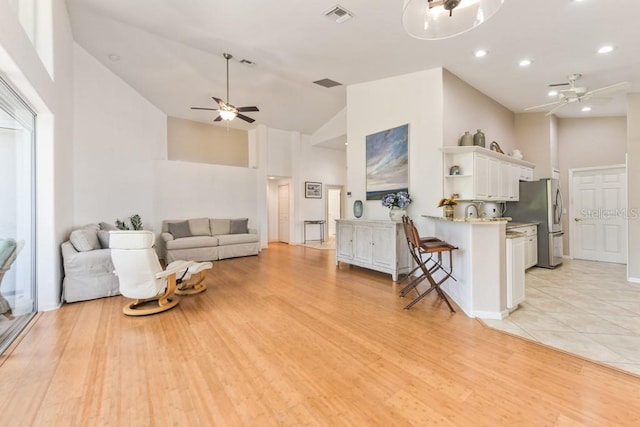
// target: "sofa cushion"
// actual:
[[103, 237], [199, 227], [239, 226], [180, 229], [235, 239], [192, 242], [220, 226], [85, 239]]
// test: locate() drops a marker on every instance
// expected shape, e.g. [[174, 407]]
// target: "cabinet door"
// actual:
[[515, 272], [383, 246], [506, 179], [526, 173], [481, 177], [533, 251], [362, 243], [495, 179], [514, 193], [345, 241]]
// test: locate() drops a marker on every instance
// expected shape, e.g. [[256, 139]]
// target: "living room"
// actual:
[[102, 145]]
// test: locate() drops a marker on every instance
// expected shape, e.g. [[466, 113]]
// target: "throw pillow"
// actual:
[[199, 227], [85, 239], [103, 237], [107, 226], [219, 226], [179, 229], [239, 226]]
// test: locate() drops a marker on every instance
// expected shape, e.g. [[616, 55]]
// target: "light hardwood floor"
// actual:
[[285, 338]]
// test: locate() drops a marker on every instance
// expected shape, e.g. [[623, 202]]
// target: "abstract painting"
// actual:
[[387, 162]]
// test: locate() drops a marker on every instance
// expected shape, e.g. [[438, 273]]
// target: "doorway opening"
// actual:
[[334, 209]]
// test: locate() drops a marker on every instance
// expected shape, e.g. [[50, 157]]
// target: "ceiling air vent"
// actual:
[[338, 14], [327, 83]]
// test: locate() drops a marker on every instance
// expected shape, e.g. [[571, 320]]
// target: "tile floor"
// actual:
[[582, 307]]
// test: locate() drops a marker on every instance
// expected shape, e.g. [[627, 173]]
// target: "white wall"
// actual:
[[467, 109], [633, 178], [192, 190], [533, 138], [323, 165], [53, 102], [118, 136], [416, 99]]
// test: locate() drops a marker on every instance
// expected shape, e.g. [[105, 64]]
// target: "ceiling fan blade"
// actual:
[[217, 119], [245, 109], [543, 105], [245, 118], [218, 100], [559, 84], [203, 108], [556, 108], [606, 89]]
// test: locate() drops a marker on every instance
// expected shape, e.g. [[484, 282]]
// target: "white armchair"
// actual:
[[141, 275]]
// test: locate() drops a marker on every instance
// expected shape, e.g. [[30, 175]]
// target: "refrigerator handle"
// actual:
[[559, 205]]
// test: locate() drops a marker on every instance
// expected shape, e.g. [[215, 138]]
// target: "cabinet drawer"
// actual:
[[529, 231]]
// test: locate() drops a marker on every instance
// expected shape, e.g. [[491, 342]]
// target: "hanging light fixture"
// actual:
[[440, 19]]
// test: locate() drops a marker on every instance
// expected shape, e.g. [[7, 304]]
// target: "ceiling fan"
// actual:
[[572, 93], [226, 110]]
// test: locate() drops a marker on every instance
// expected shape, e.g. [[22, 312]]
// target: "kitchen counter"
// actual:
[[512, 224], [479, 264], [473, 220]]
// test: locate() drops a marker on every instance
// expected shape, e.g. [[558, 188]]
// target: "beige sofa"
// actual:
[[88, 270], [208, 239]]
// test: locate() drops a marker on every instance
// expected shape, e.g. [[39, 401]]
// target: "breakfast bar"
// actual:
[[479, 264]]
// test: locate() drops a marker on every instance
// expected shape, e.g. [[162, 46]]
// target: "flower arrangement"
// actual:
[[400, 199], [447, 202]]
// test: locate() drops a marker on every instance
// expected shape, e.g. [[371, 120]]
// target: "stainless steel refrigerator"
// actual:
[[541, 202]]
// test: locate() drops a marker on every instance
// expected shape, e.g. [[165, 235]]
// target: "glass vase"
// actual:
[[358, 208], [448, 212]]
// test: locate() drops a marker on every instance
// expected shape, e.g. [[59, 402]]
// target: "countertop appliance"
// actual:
[[541, 202]]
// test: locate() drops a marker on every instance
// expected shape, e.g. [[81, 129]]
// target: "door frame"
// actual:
[[570, 215], [326, 207]]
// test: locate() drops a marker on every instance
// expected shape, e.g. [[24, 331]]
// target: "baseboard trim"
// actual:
[[495, 315], [633, 279]]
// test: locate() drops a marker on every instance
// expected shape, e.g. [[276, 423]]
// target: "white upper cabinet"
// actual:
[[475, 173]]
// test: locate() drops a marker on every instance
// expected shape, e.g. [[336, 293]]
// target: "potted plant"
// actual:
[[397, 204], [448, 204]]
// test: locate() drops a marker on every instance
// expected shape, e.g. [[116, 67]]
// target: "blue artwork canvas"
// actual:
[[387, 162]]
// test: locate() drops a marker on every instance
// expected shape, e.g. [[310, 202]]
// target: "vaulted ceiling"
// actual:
[[171, 52]]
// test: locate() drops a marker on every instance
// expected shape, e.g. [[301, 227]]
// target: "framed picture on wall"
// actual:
[[313, 190], [387, 155]]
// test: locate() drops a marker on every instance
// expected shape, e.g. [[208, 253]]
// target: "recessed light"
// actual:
[[552, 93], [480, 53], [605, 49], [114, 57], [525, 62], [586, 109]]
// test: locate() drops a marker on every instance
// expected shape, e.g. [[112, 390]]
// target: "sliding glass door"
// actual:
[[17, 215]]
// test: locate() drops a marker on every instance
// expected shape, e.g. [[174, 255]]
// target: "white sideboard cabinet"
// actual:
[[377, 245]]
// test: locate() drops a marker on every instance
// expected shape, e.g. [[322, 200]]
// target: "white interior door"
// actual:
[[283, 213], [599, 214], [334, 196]]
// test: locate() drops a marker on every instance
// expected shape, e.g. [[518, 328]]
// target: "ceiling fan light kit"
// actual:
[[227, 111], [441, 19]]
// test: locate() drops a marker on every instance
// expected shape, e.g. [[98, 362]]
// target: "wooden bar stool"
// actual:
[[406, 221], [424, 253]]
